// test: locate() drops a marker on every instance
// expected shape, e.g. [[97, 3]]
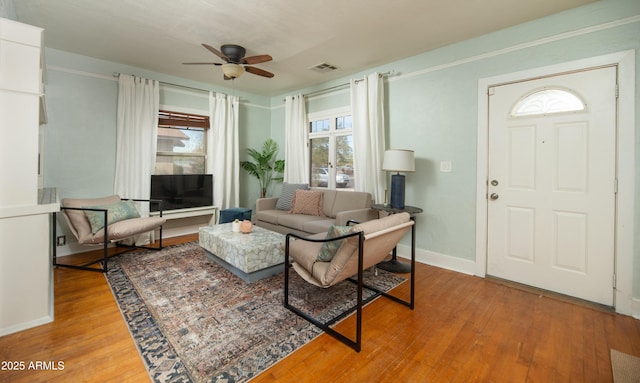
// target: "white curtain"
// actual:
[[367, 106], [223, 159], [136, 139], [296, 137]]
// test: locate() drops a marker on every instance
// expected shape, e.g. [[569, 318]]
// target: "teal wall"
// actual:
[[80, 135], [7, 9], [432, 108], [256, 123]]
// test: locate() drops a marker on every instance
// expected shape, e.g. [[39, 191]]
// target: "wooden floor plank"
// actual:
[[462, 329]]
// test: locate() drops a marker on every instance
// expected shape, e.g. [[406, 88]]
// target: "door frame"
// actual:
[[625, 165]]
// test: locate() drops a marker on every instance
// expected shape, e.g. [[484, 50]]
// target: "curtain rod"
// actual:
[[116, 74], [341, 85]]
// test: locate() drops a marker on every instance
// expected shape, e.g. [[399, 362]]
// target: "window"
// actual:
[[548, 100], [181, 143], [331, 150]]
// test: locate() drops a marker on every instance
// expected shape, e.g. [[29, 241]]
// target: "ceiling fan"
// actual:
[[236, 63]]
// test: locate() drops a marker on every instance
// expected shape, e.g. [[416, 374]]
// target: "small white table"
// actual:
[[251, 256]]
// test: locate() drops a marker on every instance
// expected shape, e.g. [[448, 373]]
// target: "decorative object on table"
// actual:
[[235, 226], [246, 226], [265, 166], [398, 160], [177, 325]]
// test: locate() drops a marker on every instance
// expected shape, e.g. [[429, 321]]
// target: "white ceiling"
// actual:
[[353, 35]]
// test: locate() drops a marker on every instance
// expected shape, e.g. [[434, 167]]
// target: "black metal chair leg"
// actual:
[[326, 326]]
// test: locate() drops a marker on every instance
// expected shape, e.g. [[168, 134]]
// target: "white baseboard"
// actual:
[[448, 262], [635, 308], [75, 248], [25, 325], [178, 231]]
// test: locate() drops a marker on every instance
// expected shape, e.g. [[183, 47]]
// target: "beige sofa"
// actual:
[[338, 207]]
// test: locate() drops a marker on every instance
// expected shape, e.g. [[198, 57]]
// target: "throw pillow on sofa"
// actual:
[[329, 249], [286, 197], [307, 202]]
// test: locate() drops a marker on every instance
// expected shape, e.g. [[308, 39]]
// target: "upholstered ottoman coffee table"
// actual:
[[251, 256]]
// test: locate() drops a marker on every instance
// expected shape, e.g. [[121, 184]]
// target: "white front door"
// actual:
[[551, 208]]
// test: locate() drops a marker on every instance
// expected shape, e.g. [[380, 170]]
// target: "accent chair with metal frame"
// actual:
[[365, 246], [101, 221]]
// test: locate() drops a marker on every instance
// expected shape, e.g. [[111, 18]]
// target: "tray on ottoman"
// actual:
[[251, 256]]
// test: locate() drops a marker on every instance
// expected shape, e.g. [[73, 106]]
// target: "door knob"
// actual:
[[494, 182], [494, 196]]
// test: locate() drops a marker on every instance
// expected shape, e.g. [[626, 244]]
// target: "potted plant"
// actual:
[[264, 166]]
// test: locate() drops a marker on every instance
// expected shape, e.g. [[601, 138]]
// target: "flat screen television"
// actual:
[[182, 191]]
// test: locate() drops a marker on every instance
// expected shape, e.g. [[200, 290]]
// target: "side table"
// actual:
[[393, 264]]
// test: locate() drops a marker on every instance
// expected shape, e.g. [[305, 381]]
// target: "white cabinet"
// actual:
[[20, 91], [26, 278]]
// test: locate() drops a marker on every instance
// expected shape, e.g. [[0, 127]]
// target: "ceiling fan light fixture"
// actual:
[[232, 70], [234, 67]]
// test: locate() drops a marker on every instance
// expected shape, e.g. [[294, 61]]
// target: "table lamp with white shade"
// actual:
[[398, 160]]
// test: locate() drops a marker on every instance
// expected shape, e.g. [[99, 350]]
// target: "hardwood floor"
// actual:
[[463, 329]]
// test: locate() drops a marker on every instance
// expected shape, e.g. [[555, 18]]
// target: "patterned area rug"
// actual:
[[194, 321]]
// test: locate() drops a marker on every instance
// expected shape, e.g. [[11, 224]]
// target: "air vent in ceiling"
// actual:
[[323, 68]]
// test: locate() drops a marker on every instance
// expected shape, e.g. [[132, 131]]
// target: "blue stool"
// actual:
[[229, 215]]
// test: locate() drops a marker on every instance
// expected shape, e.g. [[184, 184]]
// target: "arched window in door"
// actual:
[[546, 101]]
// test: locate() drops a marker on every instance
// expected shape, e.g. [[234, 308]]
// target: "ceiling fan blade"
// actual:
[[258, 71], [201, 64], [256, 59], [216, 52]]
